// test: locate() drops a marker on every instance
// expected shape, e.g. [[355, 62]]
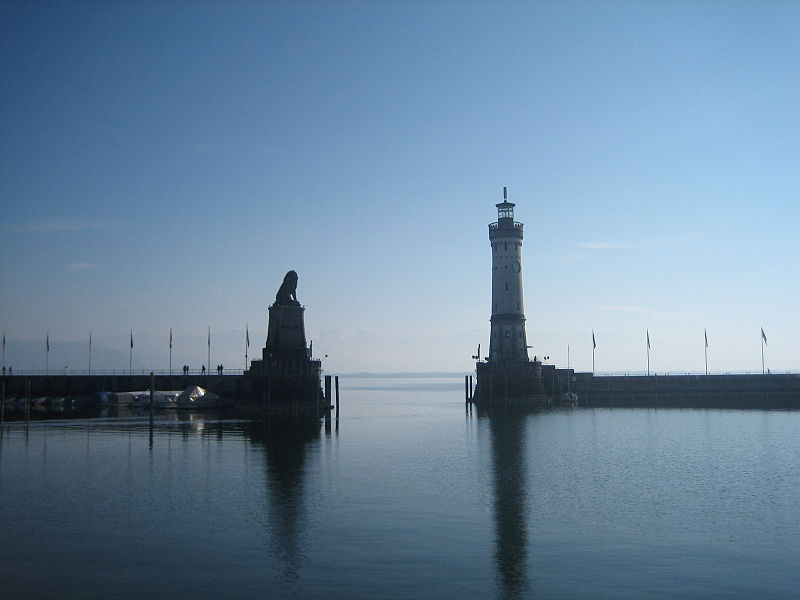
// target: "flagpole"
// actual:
[[130, 356], [170, 350], [47, 355], [90, 352], [208, 366], [648, 353], [762, 351], [246, 344], [594, 347], [705, 334], [4, 353], [568, 357]]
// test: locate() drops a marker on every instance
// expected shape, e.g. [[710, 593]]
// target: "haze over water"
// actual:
[[413, 497]]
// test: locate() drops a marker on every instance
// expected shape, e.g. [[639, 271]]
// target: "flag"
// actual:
[[4, 341], [90, 340], [648, 339], [47, 341], [763, 336], [170, 338], [131, 338], [594, 343], [705, 333], [247, 335], [209, 336]]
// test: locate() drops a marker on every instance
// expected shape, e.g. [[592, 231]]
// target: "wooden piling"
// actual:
[[471, 395], [337, 398], [152, 392], [466, 388], [152, 408], [27, 398], [328, 397]]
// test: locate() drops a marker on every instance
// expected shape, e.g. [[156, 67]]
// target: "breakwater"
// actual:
[[690, 391], [538, 385]]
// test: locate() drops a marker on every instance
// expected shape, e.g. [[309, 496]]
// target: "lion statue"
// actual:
[[287, 293]]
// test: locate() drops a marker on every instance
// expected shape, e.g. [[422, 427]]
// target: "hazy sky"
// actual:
[[165, 163]]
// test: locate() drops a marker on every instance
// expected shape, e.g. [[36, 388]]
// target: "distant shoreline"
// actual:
[[403, 375], [441, 374]]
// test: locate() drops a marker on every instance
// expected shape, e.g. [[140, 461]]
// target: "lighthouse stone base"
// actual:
[[510, 382]]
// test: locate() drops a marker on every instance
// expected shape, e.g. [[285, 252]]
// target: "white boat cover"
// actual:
[[196, 396]]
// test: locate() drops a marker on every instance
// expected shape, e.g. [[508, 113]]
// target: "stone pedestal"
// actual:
[[286, 334], [285, 377]]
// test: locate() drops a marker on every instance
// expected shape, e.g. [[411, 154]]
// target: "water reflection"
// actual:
[[286, 441], [507, 431]]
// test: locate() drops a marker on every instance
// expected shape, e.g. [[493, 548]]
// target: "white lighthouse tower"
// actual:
[[507, 344], [508, 374]]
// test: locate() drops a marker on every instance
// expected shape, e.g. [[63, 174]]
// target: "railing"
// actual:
[[493, 226], [120, 372]]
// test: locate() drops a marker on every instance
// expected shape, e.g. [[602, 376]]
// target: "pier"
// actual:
[[687, 391], [647, 391], [286, 376], [232, 387]]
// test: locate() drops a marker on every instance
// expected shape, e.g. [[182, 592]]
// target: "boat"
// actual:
[[161, 399], [165, 399], [101, 398], [196, 397], [569, 398]]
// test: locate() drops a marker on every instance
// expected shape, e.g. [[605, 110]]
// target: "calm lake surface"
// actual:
[[413, 497]]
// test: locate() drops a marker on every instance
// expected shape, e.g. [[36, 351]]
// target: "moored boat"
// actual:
[[196, 397]]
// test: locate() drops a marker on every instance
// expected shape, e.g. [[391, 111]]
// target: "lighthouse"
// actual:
[[507, 374], [507, 344]]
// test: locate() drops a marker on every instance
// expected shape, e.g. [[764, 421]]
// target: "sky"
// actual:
[[164, 164]]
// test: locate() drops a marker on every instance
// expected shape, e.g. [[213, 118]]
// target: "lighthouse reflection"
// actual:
[[507, 427], [286, 441]]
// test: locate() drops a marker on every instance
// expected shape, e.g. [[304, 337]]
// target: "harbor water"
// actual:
[[413, 495]]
